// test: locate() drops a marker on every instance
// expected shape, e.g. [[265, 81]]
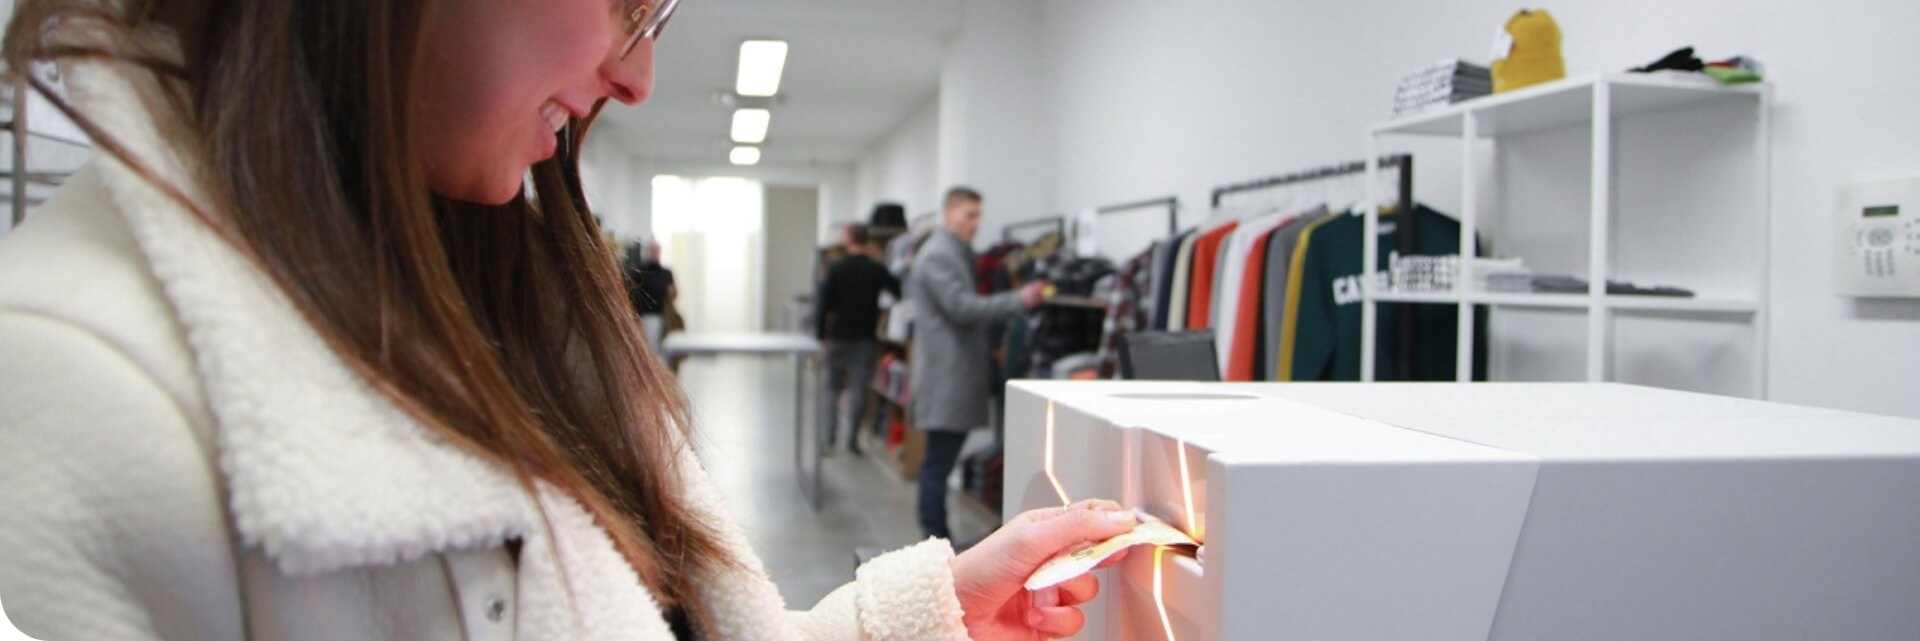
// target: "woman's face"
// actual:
[[501, 76]]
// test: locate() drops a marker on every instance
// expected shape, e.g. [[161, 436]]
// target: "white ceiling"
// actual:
[[855, 69]]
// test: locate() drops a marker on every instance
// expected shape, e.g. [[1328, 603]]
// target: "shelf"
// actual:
[[1576, 301], [1568, 102], [1430, 298], [1672, 304], [1080, 302]]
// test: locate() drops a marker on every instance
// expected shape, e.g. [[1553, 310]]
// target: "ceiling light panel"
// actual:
[[750, 125], [762, 62], [745, 156]]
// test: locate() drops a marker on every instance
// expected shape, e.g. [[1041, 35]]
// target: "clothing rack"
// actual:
[[1058, 224], [1172, 203], [1403, 339], [1404, 162]]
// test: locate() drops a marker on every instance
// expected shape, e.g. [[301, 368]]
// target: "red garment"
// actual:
[[1244, 345], [1200, 297]]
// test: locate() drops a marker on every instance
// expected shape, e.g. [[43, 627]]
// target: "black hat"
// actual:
[[888, 215]]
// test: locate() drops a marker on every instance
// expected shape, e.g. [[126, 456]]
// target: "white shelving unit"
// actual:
[[42, 141], [1598, 102]]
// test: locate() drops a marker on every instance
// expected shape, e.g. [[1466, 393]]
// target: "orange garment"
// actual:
[[1200, 296], [1246, 326]]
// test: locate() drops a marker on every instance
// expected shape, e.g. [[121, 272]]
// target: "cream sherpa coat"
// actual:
[[181, 457]]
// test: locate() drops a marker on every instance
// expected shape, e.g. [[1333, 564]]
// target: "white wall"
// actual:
[[995, 134], [1153, 98], [618, 194], [903, 166], [987, 129]]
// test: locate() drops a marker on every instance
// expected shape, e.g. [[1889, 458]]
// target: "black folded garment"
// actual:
[[1681, 59]]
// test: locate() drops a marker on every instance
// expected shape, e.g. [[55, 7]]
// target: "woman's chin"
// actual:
[[493, 193]]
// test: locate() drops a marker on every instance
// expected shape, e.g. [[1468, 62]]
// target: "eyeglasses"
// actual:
[[645, 20]]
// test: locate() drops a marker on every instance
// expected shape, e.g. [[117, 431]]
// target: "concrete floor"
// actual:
[[743, 427]]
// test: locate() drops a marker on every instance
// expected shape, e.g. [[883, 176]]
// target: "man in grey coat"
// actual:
[[952, 366]]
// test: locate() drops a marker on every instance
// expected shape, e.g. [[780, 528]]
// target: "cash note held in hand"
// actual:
[[1150, 531]]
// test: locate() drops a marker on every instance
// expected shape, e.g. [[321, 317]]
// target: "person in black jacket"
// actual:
[[650, 288], [846, 317]]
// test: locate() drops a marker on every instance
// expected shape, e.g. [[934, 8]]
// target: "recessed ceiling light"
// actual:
[[745, 156], [750, 125], [762, 62]]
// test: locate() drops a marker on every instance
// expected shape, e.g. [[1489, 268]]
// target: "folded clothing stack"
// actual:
[[1555, 284], [1444, 83], [1737, 70]]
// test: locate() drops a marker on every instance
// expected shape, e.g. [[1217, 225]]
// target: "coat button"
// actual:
[[496, 609]]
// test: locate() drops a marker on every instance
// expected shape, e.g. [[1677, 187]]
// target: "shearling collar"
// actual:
[[324, 473]]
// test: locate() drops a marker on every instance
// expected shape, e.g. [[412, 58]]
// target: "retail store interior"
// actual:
[[1635, 352]]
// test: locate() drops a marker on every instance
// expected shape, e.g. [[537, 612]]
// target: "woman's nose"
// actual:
[[630, 79]]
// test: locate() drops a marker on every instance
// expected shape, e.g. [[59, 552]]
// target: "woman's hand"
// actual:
[[989, 578]]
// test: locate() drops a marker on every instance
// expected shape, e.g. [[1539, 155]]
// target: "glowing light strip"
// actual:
[[1057, 487], [1187, 488], [1159, 600]]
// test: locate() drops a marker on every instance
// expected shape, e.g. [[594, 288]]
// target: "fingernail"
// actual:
[[1120, 518], [1033, 618]]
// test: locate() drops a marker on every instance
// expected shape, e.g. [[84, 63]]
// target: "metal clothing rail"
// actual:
[[1058, 223], [1402, 161], [1172, 203], [1403, 339]]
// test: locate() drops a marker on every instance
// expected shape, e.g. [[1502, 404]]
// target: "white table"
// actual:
[[801, 348]]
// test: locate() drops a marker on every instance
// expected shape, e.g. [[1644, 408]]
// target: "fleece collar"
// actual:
[[323, 472]]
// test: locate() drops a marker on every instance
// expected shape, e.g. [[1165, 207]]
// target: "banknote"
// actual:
[[1150, 531]]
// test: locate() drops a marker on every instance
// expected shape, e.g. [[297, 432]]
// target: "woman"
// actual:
[[302, 356]]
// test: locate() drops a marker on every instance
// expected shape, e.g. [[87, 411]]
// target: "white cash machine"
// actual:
[[1438, 512]]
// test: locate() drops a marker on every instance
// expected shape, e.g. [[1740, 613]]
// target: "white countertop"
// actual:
[[683, 344]]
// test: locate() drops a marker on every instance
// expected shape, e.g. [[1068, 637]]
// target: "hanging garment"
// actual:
[[990, 269], [1206, 254], [1273, 299], [1163, 254], [1182, 287], [1219, 283], [1035, 259], [1058, 330], [1240, 350], [1243, 353], [1233, 276], [1125, 315], [1325, 307]]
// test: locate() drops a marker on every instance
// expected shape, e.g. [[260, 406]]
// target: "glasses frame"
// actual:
[[646, 21]]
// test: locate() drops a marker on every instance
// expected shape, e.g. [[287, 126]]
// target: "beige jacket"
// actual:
[[181, 457]]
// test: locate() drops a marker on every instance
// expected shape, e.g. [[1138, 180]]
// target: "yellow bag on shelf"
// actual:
[[1528, 53]]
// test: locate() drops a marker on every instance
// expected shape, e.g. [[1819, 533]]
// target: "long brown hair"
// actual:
[[504, 327]]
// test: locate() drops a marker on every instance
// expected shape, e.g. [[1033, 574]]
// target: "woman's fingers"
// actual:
[[1078, 590], [1089, 505], [1047, 536], [1056, 622]]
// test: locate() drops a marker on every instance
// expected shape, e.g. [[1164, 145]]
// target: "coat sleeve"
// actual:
[[113, 519], [901, 596], [823, 300], [889, 281], [948, 285]]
